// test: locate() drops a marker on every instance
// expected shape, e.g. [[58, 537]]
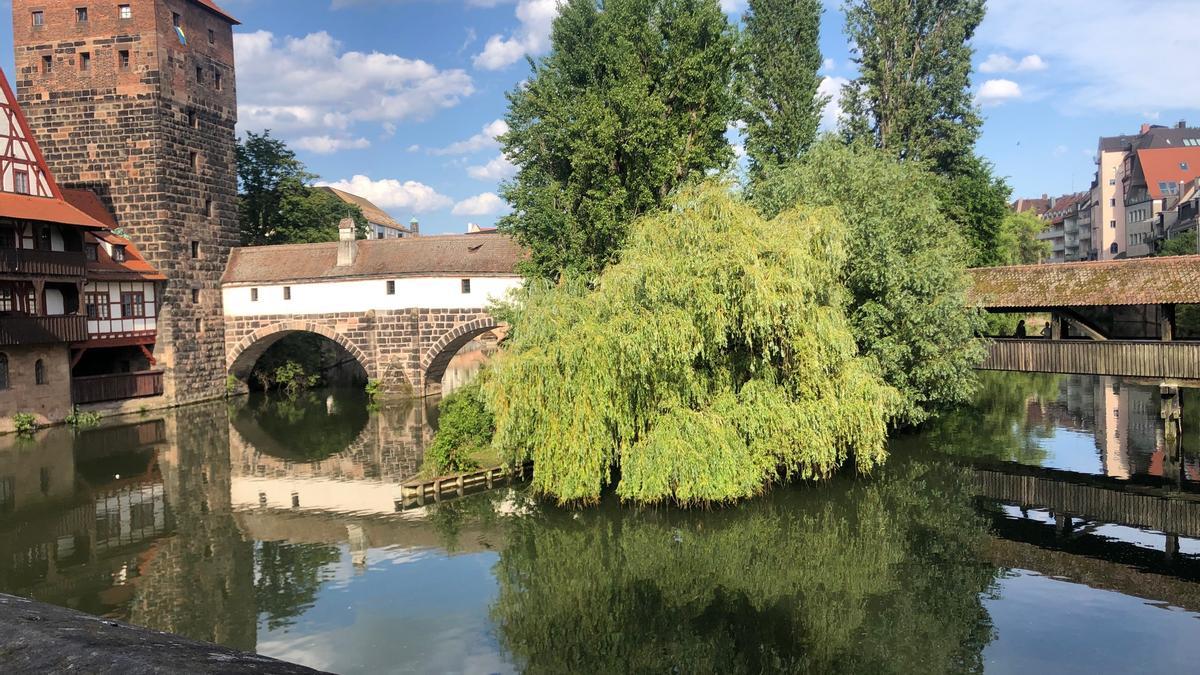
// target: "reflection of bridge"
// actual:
[[400, 307], [1113, 317]]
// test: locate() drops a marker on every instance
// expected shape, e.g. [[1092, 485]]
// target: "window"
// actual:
[[217, 79], [176, 20], [96, 305], [4, 365], [39, 19], [21, 182], [200, 74], [1168, 187], [466, 286], [92, 252], [118, 253], [133, 305], [1112, 202], [44, 238], [391, 288], [212, 37], [208, 208], [195, 249], [287, 292], [1112, 223], [194, 160], [39, 372], [85, 60], [193, 121], [47, 63], [195, 295], [1183, 166], [1112, 181], [81, 15], [123, 59], [31, 302], [8, 237], [125, 12], [253, 295], [1112, 248]]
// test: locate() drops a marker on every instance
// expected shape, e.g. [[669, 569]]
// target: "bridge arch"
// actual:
[[242, 357], [436, 359]]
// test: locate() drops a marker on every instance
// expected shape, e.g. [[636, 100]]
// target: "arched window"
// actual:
[[39, 372], [1113, 247], [3, 371]]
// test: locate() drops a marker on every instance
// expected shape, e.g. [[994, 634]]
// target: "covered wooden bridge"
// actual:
[[1138, 317]]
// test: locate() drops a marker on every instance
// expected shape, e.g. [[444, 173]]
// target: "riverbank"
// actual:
[[40, 638]]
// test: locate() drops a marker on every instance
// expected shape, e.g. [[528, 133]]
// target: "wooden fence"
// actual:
[[418, 493], [1176, 360], [116, 387]]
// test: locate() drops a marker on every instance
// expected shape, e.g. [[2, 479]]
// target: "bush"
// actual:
[[374, 388], [25, 424], [292, 378], [80, 419], [464, 427]]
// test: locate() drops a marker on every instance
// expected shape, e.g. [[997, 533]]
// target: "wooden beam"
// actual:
[[1166, 323], [149, 356], [78, 356]]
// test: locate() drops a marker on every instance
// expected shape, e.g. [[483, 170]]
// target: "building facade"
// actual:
[[136, 101], [379, 224]]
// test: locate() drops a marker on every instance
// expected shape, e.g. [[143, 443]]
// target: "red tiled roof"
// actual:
[[89, 203], [104, 268], [1164, 165], [212, 7], [441, 255], [1135, 281]]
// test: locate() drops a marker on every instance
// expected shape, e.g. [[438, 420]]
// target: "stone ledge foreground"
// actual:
[[41, 638]]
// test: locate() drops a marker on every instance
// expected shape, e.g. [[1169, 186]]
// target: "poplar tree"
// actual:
[[632, 101], [783, 57], [913, 95]]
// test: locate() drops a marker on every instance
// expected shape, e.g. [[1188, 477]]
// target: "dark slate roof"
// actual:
[[449, 255], [1135, 281]]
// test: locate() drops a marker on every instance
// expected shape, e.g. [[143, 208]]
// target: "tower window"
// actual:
[[466, 286], [200, 74], [85, 61], [194, 160], [217, 79], [125, 12], [21, 182], [195, 249], [47, 63], [176, 20], [81, 15], [208, 208], [38, 18], [212, 37], [123, 59], [195, 296]]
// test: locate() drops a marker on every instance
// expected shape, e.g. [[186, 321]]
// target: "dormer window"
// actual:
[[118, 253]]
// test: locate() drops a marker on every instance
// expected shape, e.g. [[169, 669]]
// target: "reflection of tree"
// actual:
[[875, 577], [998, 424], [303, 428], [287, 578]]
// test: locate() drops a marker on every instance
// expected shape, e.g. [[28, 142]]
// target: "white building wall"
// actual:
[[117, 324], [361, 295]]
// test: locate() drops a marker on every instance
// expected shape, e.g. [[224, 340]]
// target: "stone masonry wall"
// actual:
[[50, 402], [155, 142]]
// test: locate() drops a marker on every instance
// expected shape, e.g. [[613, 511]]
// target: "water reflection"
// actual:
[[273, 526]]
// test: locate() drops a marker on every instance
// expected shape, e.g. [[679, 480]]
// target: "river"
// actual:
[[1049, 528]]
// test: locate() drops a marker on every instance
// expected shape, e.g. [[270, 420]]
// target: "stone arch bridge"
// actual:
[[400, 307]]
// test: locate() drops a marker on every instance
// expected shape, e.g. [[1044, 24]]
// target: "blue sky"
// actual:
[[398, 99]]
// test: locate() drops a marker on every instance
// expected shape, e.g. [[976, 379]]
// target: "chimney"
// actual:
[[347, 246], [1182, 124], [414, 227], [1145, 128]]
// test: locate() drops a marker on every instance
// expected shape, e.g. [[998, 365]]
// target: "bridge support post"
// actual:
[[1166, 323]]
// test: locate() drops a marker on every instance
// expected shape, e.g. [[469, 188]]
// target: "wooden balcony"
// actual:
[[116, 387], [41, 330], [43, 263]]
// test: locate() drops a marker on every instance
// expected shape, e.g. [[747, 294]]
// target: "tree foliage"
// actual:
[[905, 270], [976, 201], [464, 426], [1184, 244], [633, 100], [783, 57], [715, 353], [276, 204], [912, 97], [1018, 243]]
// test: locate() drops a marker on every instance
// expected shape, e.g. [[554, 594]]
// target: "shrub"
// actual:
[[464, 427], [293, 379], [79, 418], [25, 423]]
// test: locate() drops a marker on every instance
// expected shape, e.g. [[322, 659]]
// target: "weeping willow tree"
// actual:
[[714, 359]]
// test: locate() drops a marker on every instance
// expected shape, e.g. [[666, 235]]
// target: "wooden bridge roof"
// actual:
[[1135, 281]]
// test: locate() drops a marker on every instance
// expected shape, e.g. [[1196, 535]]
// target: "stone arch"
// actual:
[[241, 359], [437, 357]]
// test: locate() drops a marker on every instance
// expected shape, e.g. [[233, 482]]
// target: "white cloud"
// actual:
[[324, 145], [827, 64], [1003, 63], [308, 86], [498, 168], [831, 87], [1152, 116], [995, 92], [733, 6], [1113, 50], [484, 140], [389, 193], [531, 38], [1059, 150], [486, 204]]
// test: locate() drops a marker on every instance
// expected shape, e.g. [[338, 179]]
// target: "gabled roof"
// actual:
[[1135, 281], [21, 156], [439, 255], [211, 6], [1168, 165], [135, 267], [373, 213]]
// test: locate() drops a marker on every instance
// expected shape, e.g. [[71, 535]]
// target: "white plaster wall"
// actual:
[[360, 295], [116, 324]]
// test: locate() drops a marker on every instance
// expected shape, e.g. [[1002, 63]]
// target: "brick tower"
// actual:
[[135, 100]]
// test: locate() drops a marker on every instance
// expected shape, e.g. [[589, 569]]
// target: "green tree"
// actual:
[[715, 354], [783, 106], [276, 204], [633, 100], [1018, 243], [1184, 244], [912, 96], [976, 201], [906, 269], [464, 427]]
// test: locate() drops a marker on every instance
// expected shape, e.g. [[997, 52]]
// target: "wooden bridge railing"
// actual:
[[1175, 360]]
